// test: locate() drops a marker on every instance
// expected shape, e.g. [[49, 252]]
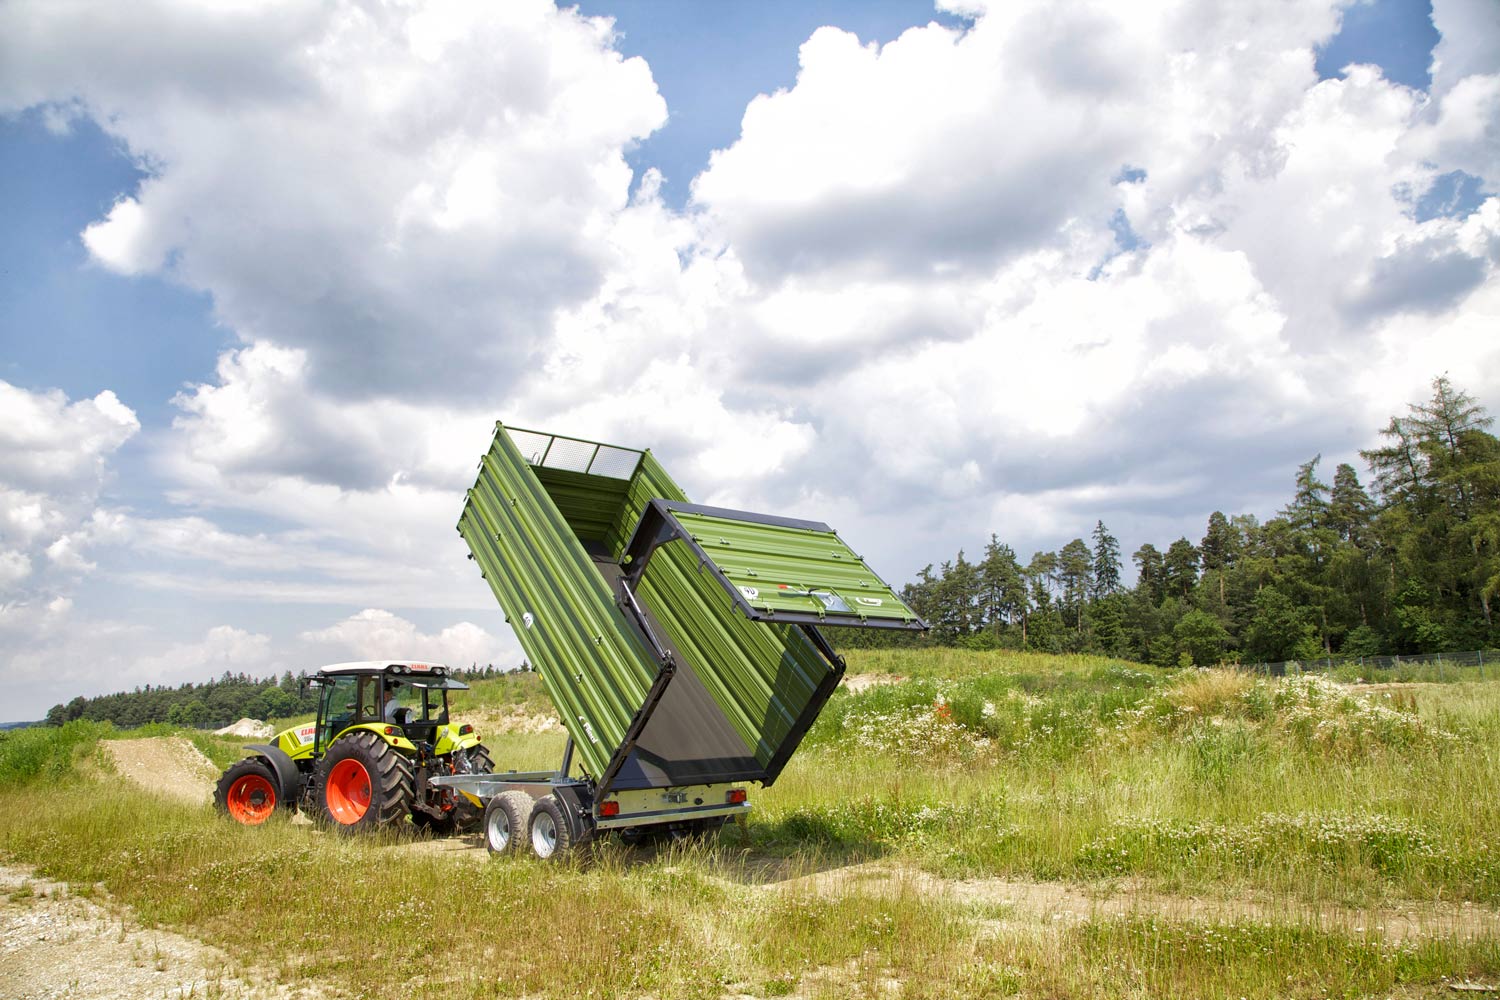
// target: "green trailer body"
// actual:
[[679, 643]]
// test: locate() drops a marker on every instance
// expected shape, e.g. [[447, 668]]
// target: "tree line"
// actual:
[[1410, 564], [214, 704]]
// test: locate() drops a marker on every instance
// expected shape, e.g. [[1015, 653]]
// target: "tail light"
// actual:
[[391, 730], [609, 808], [735, 796], [465, 729]]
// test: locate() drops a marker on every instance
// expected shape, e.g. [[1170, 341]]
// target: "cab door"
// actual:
[[338, 709]]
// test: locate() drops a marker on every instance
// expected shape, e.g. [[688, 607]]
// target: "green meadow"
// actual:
[[978, 824]]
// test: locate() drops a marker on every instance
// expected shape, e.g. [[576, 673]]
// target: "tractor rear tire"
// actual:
[[551, 834], [364, 784], [249, 792], [479, 760], [466, 815], [437, 826], [506, 822]]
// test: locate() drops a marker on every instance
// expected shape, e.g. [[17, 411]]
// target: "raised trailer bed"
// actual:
[[679, 643]]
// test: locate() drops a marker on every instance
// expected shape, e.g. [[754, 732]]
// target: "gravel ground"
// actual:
[[55, 943]]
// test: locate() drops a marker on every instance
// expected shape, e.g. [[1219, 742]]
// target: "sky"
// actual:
[[272, 270]]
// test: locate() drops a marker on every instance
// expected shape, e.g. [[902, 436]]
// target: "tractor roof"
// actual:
[[415, 667]]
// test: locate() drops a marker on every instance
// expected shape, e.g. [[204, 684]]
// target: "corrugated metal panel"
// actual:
[[594, 667], [778, 568], [650, 482], [763, 677]]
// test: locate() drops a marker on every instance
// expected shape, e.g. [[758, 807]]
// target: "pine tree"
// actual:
[[1181, 567], [1004, 587], [1151, 576], [1309, 507], [1220, 546], [1106, 562], [1075, 564], [1349, 506]]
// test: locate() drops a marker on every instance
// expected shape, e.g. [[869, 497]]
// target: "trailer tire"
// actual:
[[551, 833], [364, 784], [249, 792], [507, 819]]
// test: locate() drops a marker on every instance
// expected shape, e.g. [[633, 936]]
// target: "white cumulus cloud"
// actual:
[[377, 634]]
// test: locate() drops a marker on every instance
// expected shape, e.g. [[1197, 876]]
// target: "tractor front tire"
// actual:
[[249, 793], [551, 834], [506, 822], [364, 784]]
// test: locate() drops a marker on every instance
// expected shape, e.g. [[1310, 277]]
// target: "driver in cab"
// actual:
[[395, 711]]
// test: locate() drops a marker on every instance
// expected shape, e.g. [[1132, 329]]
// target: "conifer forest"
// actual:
[[1405, 561]]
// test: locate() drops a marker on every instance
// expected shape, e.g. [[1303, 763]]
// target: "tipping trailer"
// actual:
[[680, 643]]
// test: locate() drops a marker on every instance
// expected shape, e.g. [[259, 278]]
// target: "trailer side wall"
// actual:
[[591, 662]]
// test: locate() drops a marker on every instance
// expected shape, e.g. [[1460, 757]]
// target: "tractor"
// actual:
[[381, 736]]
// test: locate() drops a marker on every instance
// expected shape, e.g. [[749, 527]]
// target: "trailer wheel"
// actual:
[[247, 792], [551, 836], [363, 784], [506, 818]]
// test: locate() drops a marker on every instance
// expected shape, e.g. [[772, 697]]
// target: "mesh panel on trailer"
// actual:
[[615, 463], [531, 445], [569, 454]]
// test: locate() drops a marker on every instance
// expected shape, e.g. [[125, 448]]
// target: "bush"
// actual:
[[46, 751]]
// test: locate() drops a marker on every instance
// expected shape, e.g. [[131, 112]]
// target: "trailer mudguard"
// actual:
[[578, 807], [287, 775]]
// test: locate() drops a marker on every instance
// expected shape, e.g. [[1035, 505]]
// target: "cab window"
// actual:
[[340, 702], [435, 707]]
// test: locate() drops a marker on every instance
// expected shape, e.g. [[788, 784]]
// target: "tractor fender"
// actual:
[[388, 733], [451, 738], [287, 774]]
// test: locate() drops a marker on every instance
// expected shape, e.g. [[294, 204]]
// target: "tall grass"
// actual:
[[45, 752], [1210, 780]]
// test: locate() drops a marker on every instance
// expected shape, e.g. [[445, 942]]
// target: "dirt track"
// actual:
[[167, 765], [93, 949], [1061, 902]]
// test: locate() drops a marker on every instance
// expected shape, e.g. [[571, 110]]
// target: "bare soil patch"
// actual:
[[167, 765], [54, 943], [511, 720], [855, 683], [248, 729], [1061, 902]]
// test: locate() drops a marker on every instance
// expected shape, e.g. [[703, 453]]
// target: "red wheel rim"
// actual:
[[348, 793], [251, 799]]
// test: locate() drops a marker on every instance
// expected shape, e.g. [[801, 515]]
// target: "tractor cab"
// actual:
[[411, 696]]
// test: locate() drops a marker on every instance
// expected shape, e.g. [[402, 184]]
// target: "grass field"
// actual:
[[1270, 829]]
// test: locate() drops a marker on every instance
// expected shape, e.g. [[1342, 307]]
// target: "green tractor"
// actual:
[[382, 735]]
